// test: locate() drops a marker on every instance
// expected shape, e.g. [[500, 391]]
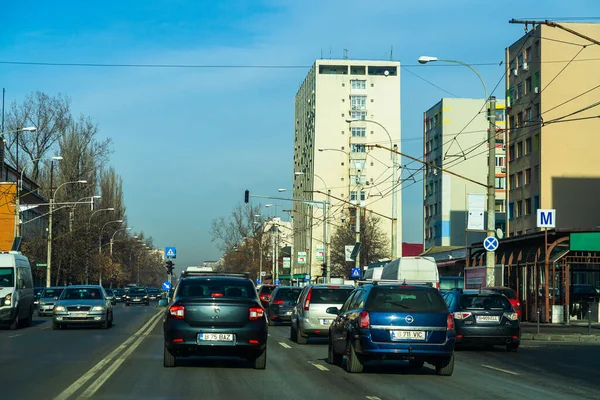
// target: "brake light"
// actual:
[[518, 303], [333, 287], [307, 302], [216, 295], [177, 312], [256, 313], [450, 322], [437, 285], [461, 315], [178, 340], [513, 316], [253, 341], [264, 297], [278, 302], [364, 320]]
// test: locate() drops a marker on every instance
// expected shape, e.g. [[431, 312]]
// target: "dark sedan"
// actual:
[[215, 314], [281, 303], [137, 295]]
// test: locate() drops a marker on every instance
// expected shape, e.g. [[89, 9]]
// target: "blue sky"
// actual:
[[187, 142]]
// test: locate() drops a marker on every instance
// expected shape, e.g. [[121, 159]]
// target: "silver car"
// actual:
[[309, 316], [82, 305], [47, 299]]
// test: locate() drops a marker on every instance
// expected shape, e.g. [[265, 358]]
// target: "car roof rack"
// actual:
[[214, 273]]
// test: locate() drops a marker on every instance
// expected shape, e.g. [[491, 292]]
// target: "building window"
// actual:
[[358, 132], [528, 54], [529, 114], [357, 148], [352, 196], [355, 180], [536, 142], [528, 146], [511, 210], [519, 179], [500, 161], [536, 203], [363, 196], [500, 206], [358, 84], [519, 119], [528, 176], [511, 152], [519, 149], [361, 115], [520, 60], [500, 183], [519, 209], [537, 173], [357, 164], [358, 103], [528, 206], [537, 111], [512, 181], [435, 209], [520, 90]]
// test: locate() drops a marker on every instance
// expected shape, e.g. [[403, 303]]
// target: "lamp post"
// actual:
[[393, 157], [19, 189], [87, 264], [112, 239], [119, 221], [51, 209], [491, 182]]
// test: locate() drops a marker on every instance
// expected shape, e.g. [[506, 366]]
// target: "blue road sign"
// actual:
[[258, 281], [490, 243], [307, 278], [166, 285], [170, 252], [355, 274], [277, 282]]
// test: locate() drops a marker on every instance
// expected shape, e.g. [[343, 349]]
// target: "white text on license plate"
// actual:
[[78, 314], [216, 337], [414, 335], [487, 318], [325, 321]]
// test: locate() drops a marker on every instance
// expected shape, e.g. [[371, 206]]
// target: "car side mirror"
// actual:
[[332, 310], [21, 283]]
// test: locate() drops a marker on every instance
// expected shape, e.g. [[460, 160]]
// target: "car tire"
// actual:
[[271, 322], [260, 362], [40, 314], [126, 304], [169, 359], [354, 365], [16, 323], [416, 365], [513, 347], [332, 357], [299, 338], [29, 319], [55, 326], [110, 321], [293, 333], [148, 303], [445, 367]]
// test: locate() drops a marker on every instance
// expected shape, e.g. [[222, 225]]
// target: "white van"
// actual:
[[373, 274], [16, 290], [415, 270]]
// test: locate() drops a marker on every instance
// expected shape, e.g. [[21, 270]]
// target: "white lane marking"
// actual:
[[17, 335], [75, 386], [97, 384], [319, 366], [373, 398], [287, 346], [499, 369], [43, 329]]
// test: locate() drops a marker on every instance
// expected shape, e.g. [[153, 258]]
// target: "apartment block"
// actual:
[[552, 88], [455, 138], [342, 107]]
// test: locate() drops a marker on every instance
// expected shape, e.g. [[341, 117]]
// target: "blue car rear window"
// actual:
[[393, 299]]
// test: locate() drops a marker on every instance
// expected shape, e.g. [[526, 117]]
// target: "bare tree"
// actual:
[[229, 232]]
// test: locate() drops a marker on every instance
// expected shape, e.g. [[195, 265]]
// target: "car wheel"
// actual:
[[105, 323], [299, 338], [293, 333], [40, 314], [332, 356], [416, 365], [148, 303], [110, 321], [445, 367], [354, 364], [168, 359], [513, 347], [29, 319], [16, 323], [126, 304], [271, 322], [55, 326], [260, 362]]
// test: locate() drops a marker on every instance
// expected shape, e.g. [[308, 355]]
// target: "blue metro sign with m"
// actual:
[[546, 218]]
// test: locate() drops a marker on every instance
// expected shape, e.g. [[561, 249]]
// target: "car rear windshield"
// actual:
[[216, 288], [109, 292], [137, 291], [329, 295], [484, 302], [51, 293], [288, 294], [509, 293], [267, 289], [405, 299], [82, 294]]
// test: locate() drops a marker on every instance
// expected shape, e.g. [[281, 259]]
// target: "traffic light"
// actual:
[[246, 196], [169, 266], [323, 269]]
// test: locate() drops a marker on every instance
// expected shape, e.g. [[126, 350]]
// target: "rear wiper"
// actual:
[[397, 304]]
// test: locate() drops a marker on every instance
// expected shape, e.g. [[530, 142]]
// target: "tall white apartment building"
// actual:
[[455, 135], [342, 107]]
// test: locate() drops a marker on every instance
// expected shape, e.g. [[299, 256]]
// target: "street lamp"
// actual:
[[491, 186], [118, 221], [393, 157], [51, 209], [112, 239]]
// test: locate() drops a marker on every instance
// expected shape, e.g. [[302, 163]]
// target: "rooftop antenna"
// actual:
[[330, 52], [321, 54], [345, 54], [392, 53]]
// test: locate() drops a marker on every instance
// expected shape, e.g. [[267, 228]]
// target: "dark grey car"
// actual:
[[47, 299], [281, 303], [82, 305]]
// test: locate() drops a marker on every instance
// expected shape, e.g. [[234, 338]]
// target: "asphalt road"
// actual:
[[45, 364]]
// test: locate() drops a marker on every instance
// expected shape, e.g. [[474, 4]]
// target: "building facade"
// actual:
[[552, 88], [455, 137], [342, 107]]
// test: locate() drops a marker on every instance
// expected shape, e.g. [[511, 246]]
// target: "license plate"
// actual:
[[136, 299], [325, 321], [414, 335], [215, 337], [488, 318], [78, 314]]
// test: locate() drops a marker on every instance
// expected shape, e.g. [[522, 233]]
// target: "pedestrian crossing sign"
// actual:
[[170, 252]]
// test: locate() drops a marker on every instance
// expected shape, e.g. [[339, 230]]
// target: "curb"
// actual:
[[561, 338]]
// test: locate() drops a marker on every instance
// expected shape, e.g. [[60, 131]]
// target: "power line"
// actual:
[[429, 82]]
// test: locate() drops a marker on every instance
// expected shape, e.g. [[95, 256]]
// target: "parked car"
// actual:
[[486, 318], [16, 290], [309, 315], [580, 298], [137, 295], [215, 314], [48, 297], [264, 294], [282, 301], [110, 296], [82, 305], [511, 295], [393, 322]]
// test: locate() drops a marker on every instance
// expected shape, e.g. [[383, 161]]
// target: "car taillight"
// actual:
[[307, 301], [264, 297], [256, 313], [518, 303], [216, 295], [278, 302], [177, 312], [450, 322], [437, 285], [513, 316], [364, 320], [461, 315]]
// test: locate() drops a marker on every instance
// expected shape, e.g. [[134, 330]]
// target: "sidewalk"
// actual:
[[576, 331]]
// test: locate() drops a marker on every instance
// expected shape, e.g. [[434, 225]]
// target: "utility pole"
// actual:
[[394, 205], [327, 245], [358, 215], [491, 198], [327, 267], [51, 210]]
